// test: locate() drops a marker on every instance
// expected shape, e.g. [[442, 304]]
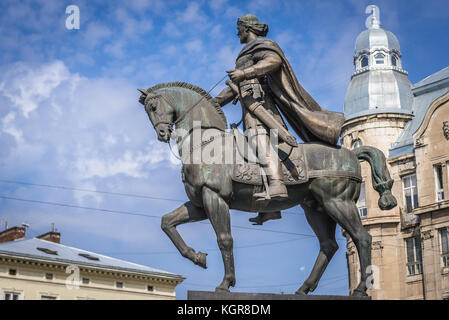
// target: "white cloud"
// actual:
[[9, 127], [96, 33], [172, 29], [192, 13], [26, 88], [233, 12], [218, 4], [81, 128], [130, 26], [195, 46]]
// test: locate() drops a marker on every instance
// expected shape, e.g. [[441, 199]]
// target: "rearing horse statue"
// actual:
[[328, 196]]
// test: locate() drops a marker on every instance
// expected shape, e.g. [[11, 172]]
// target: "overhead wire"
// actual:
[[139, 214], [151, 216], [90, 190], [158, 217]]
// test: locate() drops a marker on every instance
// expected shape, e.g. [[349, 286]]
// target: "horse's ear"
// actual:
[[143, 91], [143, 96]]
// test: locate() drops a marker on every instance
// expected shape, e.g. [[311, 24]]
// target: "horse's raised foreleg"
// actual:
[[184, 214], [217, 211], [337, 197], [324, 228]]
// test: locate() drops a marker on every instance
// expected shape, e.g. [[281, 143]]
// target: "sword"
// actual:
[[263, 115]]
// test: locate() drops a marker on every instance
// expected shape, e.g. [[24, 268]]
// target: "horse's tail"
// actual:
[[382, 181]]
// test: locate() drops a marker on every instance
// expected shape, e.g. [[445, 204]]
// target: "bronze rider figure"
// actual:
[[265, 78]]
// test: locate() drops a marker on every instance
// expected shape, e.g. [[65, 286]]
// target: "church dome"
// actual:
[[376, 37], [378, 84]]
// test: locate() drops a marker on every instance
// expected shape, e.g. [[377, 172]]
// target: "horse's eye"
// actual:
[[152, 105]]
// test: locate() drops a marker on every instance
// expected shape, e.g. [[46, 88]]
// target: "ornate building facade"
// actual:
[[410, 124]]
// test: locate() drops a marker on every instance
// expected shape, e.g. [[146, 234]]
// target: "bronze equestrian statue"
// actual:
[[321, 177]]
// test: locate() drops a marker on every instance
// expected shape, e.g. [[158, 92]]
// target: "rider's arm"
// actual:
[[268, 62], [224, 97]]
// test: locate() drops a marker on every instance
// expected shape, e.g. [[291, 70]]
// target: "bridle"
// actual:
[[184, 113], [164, 119]]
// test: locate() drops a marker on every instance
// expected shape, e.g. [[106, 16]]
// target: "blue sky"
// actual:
[[69, 116]]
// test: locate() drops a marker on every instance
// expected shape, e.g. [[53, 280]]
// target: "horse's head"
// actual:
[[160, 112], [180, 104]]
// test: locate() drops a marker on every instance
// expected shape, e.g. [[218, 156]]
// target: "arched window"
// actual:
[[357, 144], [364, 62], [379, 58], [361, 202], [394, 61]]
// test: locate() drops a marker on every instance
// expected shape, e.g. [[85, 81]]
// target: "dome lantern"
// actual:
[[378, 84]]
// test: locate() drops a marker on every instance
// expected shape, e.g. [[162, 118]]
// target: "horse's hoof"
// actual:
[[221, 289], [303, 291], [200, 259], [359, 293]]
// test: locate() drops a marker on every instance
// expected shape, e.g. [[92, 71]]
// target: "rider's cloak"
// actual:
[[310, 122]]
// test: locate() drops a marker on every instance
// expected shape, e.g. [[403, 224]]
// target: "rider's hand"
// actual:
[[236, 75]]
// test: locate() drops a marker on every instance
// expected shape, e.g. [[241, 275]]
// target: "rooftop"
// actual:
[[46, 250], [425, 92]]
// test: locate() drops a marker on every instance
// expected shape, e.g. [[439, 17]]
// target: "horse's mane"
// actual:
[[185, 85]]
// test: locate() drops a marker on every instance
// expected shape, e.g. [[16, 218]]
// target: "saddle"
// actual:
[[293, 163]]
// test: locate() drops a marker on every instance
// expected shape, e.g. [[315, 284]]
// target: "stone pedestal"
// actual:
[[209, 295]]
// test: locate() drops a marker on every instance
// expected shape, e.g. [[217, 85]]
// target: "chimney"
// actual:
[[12, 234], [52, 235]]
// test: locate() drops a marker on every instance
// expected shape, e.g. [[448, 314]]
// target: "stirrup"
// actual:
[[262, 196]]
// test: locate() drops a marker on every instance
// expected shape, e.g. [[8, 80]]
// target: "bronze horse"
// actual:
[[327, 199]]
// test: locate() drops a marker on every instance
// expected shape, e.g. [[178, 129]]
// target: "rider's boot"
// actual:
[[265, 216], [276, 188]]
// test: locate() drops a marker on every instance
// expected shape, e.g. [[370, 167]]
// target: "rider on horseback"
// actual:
[[265, 78]]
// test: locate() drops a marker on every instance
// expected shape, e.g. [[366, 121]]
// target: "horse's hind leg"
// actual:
[[184, 214], [217, 211], [324, 228], [337, 196]]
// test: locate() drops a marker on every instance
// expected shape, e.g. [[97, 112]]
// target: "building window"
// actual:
[[119, 284], [12, 272], [48, 251], [364, 62], [47, 297], [150, 288], [438, 170], [86, 281], [394, 61], [414, 257], [49, 276], [361, 202], [357, 144], [410, 192], [379, 58], [88, 256], [444, 248], [7, 295]]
